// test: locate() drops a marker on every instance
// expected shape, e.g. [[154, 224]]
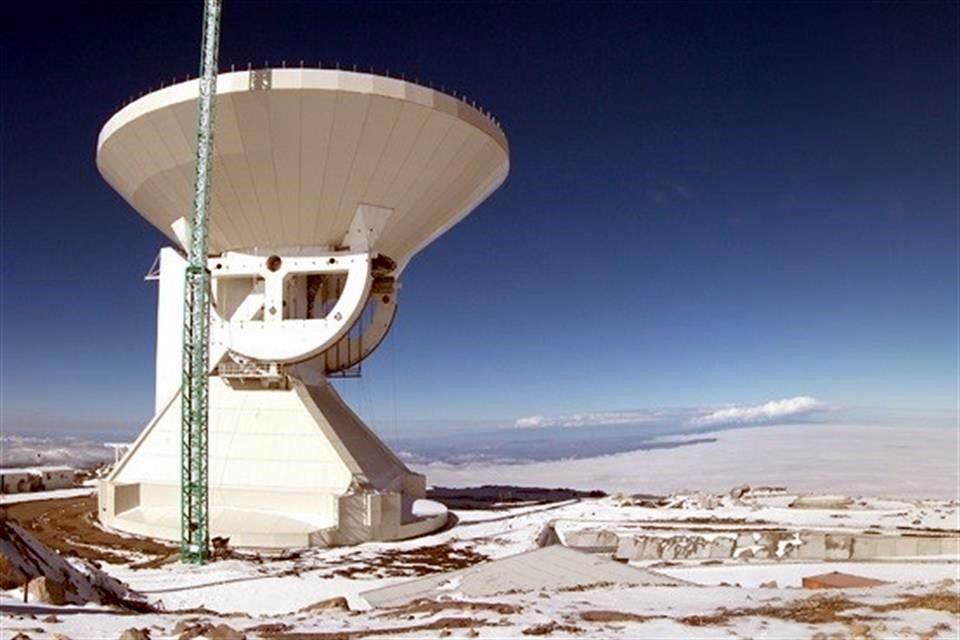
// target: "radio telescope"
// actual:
[[326, 184]]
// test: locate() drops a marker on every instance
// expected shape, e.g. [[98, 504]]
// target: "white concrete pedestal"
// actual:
[[288, 467]]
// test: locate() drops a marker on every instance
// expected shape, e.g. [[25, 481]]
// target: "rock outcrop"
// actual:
[[52, 579], [43, 589]]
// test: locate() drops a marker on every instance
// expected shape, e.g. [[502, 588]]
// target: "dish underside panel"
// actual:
[[292, 165]]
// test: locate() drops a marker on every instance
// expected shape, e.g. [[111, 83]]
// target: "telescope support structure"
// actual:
[[286, 275]]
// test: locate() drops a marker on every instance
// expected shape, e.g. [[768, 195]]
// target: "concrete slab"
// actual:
[[550, 568]]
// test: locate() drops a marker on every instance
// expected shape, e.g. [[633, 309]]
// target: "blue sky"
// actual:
[[771, 195]]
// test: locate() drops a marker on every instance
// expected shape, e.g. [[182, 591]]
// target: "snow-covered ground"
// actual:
[[899, 483], [852, 460], [725, 599], [751, 576], [14, 498]]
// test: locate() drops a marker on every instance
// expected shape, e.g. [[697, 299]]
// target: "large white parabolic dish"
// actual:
[[298, 150]]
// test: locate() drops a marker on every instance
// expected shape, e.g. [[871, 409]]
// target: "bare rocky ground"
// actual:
[[313, 594], [70, 527]]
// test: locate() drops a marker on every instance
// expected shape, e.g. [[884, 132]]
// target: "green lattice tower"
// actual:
[[194, 499]]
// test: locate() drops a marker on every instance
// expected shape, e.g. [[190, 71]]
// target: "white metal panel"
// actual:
[[316, 129], [293, 162], [169, 364], [378, 122], [350, 114], [284, 121]]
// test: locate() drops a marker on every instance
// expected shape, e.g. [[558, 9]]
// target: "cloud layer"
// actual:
[[836, 459], [598, 419], [783, 410], [768, 413], [24, 451]]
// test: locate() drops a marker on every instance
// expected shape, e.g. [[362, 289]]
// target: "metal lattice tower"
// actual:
[[194, 501]]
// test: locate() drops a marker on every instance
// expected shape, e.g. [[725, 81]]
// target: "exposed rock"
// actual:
[[548, 536], [46, 590], [193, 628], [190, 630], [224, 632], [333, 603], [772, 584], [52, 619], [821, 502], [549, 627], [738, 492], [135, 634], [184, 625], [269, 628], [602, 615], [221, 548], [503, 496], [10, 577], [20, 636], [63, 582]]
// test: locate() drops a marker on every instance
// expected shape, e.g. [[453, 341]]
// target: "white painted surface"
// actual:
[[293, 163], [274, 337], [169, 362], [280, 462]]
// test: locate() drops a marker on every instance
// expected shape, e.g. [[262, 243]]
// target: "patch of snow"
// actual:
[[428, 508], [783, 546], [791, 574], [13, 498]]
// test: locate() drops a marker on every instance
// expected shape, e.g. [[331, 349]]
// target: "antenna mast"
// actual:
[[194, 500]]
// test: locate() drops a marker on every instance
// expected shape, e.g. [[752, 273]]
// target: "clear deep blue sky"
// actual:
[[708, 204]]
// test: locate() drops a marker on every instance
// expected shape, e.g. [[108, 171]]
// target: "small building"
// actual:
[[35, 479], [56, 477], [838, 580], [14, 480]]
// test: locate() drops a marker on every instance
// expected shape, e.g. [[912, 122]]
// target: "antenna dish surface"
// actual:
[[297, 151]]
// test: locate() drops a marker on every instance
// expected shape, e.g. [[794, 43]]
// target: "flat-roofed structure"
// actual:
[[41, 478]]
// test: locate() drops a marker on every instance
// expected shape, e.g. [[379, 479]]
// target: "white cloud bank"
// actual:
[[24, 451], [767, 413], [598, 419], [786, 409], [850, 460]]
